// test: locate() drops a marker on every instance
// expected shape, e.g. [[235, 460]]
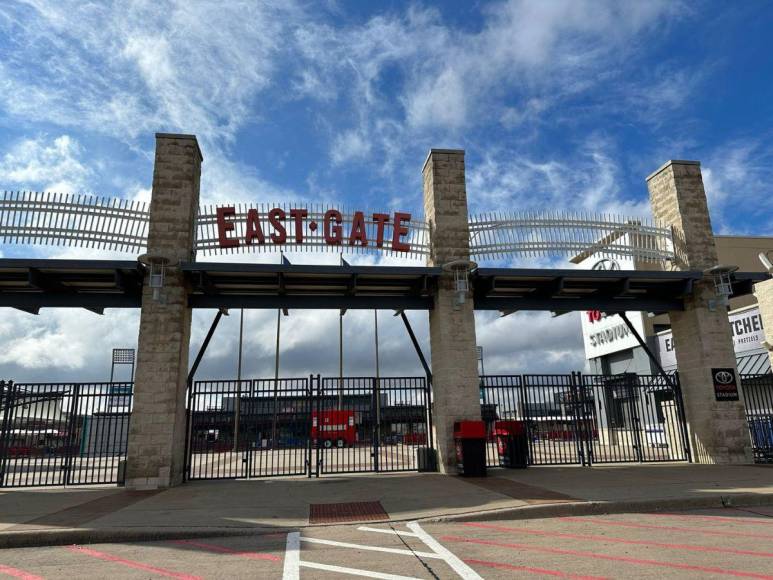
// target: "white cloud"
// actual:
[[349, 145], [46, 164]]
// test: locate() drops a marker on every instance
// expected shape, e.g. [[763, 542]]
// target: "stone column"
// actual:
[[455, 382], [718, 431], [764, 293], [156, 454]]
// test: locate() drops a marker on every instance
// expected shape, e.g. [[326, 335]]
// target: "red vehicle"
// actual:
[[329, 428]]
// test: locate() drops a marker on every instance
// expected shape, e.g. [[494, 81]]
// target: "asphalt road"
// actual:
[[697, 544]]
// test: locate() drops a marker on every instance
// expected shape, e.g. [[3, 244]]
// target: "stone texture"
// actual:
[[156, 453], [718, 431], [455, 380], [763, 291]]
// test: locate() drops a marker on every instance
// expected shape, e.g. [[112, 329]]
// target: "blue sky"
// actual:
[[559, 104]]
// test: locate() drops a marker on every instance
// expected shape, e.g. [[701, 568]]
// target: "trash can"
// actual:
[[512, 444], [426, 458], [470, 442]]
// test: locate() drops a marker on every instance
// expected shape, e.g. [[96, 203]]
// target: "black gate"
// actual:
[[758, 401], [586, 419], [370, 424], [63, 433], [309, 426]]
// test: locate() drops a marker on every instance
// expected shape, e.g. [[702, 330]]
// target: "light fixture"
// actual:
[[723, 285], [461, 270]]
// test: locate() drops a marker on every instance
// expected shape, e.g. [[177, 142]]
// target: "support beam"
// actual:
[[416, 346]]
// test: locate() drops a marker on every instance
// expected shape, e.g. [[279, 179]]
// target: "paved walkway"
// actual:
[[55, 515]]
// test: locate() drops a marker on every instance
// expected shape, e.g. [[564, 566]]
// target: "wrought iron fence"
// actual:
[[758, 401], [63, 433], [586, 419], [307, 426]]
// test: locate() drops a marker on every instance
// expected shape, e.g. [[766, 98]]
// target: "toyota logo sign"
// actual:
[[606, 264]]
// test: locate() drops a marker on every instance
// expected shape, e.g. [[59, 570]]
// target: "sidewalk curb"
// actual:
[[39, 538], [590, 508]]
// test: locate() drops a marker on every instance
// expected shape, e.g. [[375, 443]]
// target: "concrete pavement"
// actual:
[[718, 543], [51, 516]]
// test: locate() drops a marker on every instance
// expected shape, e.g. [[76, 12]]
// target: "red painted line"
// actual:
[[16, 573], [224, 550], [762, 521], [130, 563], [722, 533], [613, 540], [596, 556], [503, 566]]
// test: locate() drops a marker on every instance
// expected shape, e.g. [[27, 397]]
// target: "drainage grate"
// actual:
[[358, 511]]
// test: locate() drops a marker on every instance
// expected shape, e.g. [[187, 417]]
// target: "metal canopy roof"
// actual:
[[92, 284], [290, 286], [610, 291], [97, 284]]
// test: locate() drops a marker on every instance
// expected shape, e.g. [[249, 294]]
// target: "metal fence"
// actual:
[[576, 419], [307, 426], [758, 401], [63, 433]]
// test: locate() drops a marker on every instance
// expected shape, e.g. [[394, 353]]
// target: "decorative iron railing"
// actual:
[[88, 221], [121, 225], [577, 235]]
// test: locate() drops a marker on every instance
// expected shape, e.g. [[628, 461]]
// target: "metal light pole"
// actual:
[[377, 396], [341, 313], [237, 406], [276, 375]]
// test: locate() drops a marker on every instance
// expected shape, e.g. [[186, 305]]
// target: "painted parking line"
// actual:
[[723, 533], [462, 569], [293, 562], [224, 550], [130, 563], [16, 573], [596, 556], [371, 548], [387, 531], [615, 540], [533, 570]]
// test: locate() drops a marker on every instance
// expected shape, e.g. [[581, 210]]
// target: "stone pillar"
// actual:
[[455, 382], [718, 431], [764, 293], [156, 454]]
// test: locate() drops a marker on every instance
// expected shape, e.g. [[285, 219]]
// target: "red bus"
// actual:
[[330, 428]]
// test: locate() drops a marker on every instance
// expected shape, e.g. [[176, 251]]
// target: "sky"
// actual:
[[559, 104]]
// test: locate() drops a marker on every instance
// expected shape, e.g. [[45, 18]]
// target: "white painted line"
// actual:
[[458, 566], [385, 531], [292, 557], [371, 548], [356, 572]]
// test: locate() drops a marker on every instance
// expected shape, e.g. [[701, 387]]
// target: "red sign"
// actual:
[[332, 228]]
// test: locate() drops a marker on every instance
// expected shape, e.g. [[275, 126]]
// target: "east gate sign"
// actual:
[[272, 228]]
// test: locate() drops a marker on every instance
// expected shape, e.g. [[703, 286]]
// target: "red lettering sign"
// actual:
[[276, 219]]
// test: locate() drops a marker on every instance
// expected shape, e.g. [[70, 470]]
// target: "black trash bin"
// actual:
[[470, 440], [512, 444]]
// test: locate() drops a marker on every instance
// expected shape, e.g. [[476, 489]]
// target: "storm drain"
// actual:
[[341, 513]]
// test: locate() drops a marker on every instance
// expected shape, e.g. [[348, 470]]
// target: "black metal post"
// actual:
[[9, 395], [672, 382], [191, 375], [416, 345]]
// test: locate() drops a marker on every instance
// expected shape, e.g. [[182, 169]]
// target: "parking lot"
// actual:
[[697, 544]]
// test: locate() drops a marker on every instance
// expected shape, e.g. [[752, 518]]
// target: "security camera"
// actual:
[[763, 256]]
